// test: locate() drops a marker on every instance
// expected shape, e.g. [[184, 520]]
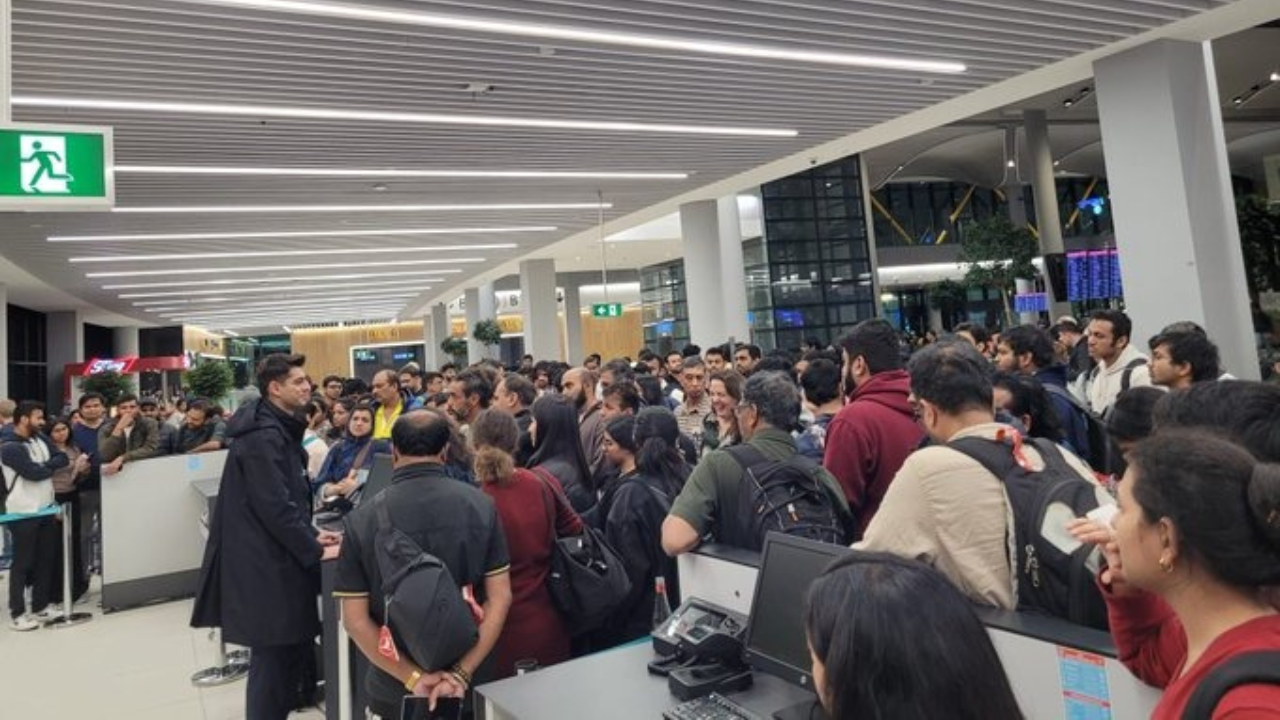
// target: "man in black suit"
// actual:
[[261, 571]]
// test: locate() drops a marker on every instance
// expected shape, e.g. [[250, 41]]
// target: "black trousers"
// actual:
[[276, 674], [35, 563]]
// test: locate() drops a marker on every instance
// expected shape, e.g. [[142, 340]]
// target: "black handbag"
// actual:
[[588, 581]]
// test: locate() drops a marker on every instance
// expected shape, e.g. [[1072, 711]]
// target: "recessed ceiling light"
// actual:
[[373, 305], [171, 306], [379, 173], [282, 268], [290, 253], [272, 284], [594, 36], [302, 234], [360, 208], [228, 291], [379, 116]]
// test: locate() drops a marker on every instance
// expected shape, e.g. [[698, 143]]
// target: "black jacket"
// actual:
[[261, 570], [633, 528]]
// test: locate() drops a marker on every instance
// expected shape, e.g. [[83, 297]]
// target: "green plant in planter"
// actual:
[[998, 253], [211, 380], [454, 347], [110, 384], [487, 332]]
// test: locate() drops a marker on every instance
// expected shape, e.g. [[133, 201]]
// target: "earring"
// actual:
[[1166, 564]]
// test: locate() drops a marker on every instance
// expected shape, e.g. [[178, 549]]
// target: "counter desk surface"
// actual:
[[614, 684]]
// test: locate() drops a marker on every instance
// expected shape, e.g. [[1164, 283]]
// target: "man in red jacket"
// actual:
[[870, 438]]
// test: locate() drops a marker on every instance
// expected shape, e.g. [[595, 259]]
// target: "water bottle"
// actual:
[[661, 606]]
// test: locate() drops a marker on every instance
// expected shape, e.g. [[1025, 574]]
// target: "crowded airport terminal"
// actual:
[[652, 359]]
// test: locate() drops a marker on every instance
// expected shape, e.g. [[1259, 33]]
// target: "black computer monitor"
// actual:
[[776, 641], [379, 477]]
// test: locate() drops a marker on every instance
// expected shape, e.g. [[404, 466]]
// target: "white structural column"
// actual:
[[733, 285], [573, 351], [435, 330], [1045, 191], [1167, 169], [125, 341], [711, 320], [479, 305], [4, 340], [64, 344], [538, 306]]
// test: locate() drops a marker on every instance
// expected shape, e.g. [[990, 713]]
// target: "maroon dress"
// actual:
[[534, 629]]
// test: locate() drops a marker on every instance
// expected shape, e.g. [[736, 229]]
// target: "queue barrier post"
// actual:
[[227, 667], [69, 616]]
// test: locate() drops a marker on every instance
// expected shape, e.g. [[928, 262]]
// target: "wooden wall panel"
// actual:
[[196, 340], [328, 350], [612, 337]]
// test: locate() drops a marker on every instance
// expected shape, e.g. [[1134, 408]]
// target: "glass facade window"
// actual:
[[28, 359], [810, 276], [664, 307]]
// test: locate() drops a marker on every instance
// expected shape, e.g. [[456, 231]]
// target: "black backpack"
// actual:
[[428, 617], [1252, 668], [1101, 454], [1050, 578], [786, 496]]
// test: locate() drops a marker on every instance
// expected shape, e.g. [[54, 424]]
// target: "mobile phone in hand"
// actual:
[[415, 708]]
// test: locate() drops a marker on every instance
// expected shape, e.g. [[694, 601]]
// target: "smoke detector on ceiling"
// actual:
[[477, 88]]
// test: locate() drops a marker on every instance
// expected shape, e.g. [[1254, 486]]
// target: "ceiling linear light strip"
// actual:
[[241, 310], [379, 309], [412, 288], [354, 232], [359, 208], [285, 268], [290, 253], [275, 290], [335, 301], [221, 291], [271, 284], [394, 173], [162, 306], [381, 116], [596, 36], [277, 319], [371, 311]]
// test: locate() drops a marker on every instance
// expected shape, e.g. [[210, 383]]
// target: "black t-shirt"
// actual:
[[451, 520]]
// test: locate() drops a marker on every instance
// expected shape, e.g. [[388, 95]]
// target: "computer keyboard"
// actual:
[[710, 707]]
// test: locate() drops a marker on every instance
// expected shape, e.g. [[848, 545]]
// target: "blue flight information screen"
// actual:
[[1093, 275]]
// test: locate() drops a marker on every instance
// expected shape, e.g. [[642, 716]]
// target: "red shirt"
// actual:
[[1153, 645], [534, 629]]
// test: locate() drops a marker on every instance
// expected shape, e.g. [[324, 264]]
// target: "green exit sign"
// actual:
[[56, 167], [606, 310]]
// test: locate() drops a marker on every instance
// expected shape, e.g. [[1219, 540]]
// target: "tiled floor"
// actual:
[[135, 664]]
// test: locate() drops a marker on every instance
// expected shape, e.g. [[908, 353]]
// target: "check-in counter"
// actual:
[[1056, 669], [152, 527]]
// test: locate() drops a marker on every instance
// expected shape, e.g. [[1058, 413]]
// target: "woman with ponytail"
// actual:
[[653, 471], [1193, 556], [531, 520]]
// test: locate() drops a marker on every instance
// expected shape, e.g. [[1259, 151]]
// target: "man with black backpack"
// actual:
[[985, 506], [1028, 350], [408, 558], [737, 495]]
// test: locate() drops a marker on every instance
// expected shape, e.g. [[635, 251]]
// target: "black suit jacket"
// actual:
[[261, 570]]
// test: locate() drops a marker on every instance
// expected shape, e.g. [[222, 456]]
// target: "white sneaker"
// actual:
[[24, 623], [48, 614]]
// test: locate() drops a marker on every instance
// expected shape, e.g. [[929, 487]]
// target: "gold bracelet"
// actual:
[[413, 680], [461, 673]]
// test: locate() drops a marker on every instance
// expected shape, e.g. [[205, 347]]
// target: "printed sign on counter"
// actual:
[[1085, 695]]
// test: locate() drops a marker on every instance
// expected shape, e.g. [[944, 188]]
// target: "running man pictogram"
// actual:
[[46, 171]]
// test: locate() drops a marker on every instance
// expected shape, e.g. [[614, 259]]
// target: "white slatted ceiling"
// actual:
[[181, 50]]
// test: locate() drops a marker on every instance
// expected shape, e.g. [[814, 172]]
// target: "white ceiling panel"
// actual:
[[186, 51]]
